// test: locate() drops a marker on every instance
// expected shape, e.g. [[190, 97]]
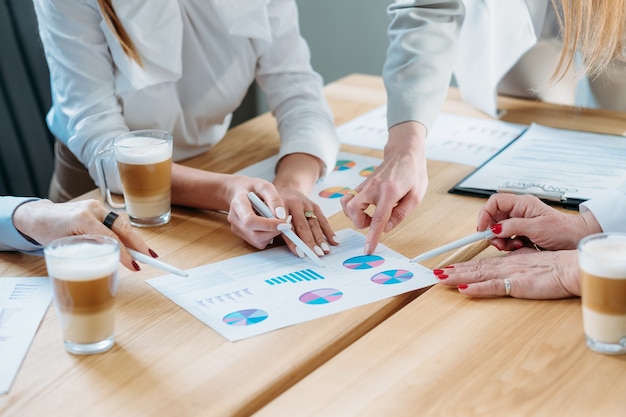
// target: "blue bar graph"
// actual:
[[295, 277]]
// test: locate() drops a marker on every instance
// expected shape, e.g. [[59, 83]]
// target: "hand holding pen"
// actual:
[[285, 228]]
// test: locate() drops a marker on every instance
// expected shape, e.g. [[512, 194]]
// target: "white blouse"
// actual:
[[200, 57]]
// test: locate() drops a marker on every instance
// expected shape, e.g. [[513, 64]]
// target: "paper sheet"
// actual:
[[350, 170], [581, 165], [23, 303], [452, 138], [264, 291]]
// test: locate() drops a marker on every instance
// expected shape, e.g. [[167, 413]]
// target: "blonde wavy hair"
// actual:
[[596, 29]]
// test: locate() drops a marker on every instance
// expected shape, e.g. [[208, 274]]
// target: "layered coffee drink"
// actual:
[[84, 282], [602, 260], [145, 166]]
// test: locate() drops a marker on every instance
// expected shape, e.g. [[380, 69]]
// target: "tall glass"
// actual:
[[144, 161], [83, 271], [602, 261]]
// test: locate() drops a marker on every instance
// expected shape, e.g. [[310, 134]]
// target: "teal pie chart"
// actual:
[[393, 276], [245, 317], [363, 262]]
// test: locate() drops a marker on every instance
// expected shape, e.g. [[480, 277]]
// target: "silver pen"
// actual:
[[156, 263], [487, 234]]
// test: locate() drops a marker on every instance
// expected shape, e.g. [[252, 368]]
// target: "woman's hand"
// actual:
[[396, 187], [295, 176], [531, 274], [524, 220], [44, 221]]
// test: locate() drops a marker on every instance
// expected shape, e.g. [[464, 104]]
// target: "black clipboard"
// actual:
[[549, 194]]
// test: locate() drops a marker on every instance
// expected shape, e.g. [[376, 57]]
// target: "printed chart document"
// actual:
[[562, 166], [349, 171], [264, 291], [23, 303], [452, 138]]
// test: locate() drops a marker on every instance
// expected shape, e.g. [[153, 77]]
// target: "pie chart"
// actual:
[[393, 276], [344, 165], [245, 317], [366, 172], [321, 296], [334, 192], [363, 262]]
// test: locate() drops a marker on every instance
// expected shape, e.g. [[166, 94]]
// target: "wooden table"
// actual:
[[167, 363], [447, 355]]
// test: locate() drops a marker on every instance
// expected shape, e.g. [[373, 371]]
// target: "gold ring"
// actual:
[[353, 193], [310, 214]]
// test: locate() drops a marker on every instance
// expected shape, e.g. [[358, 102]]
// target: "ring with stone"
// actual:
[[310, 214]]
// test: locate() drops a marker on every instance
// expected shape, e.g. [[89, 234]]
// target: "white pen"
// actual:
[[487, 234], [285, 228], [156, 263]]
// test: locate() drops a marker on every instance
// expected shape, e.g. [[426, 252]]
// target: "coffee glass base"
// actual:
[[607, 348], [154, 221], [89, 348]]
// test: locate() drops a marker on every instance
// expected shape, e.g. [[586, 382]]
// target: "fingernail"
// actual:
[[283, 226], [318, 250], [336, 239], [496, 228], [299, 252], [136, 266], [153, 253], [288, 219], [280, 212], [517, 245], [437, 271], [366, 249], [271, 242], [462, 286], [442, 276], [449, 266], [388, 227], [325, 247]]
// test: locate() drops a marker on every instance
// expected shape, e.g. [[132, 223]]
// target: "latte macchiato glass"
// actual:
[[144, 161], [602, 261], [83, 271]]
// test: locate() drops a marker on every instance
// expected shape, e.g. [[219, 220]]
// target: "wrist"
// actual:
[[408, 137]]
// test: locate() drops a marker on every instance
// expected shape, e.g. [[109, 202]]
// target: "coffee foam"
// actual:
[[142, 150], [605, 257], [81, 262]]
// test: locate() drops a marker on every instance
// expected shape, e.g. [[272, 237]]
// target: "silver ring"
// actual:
[[109, 219], [507, 287]]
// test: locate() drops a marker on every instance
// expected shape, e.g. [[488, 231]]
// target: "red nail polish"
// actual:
[[449, 266], [462, 286], [442, 276], [437, 271], [136, 266], [153, 253], [496, 228]]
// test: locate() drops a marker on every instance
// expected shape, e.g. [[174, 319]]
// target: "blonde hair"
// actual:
[[594, 28], [118, 29]]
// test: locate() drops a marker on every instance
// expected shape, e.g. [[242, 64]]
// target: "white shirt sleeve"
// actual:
[[294, 90], [10, 238], [423, 44], [82, 81], [609, 209]]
